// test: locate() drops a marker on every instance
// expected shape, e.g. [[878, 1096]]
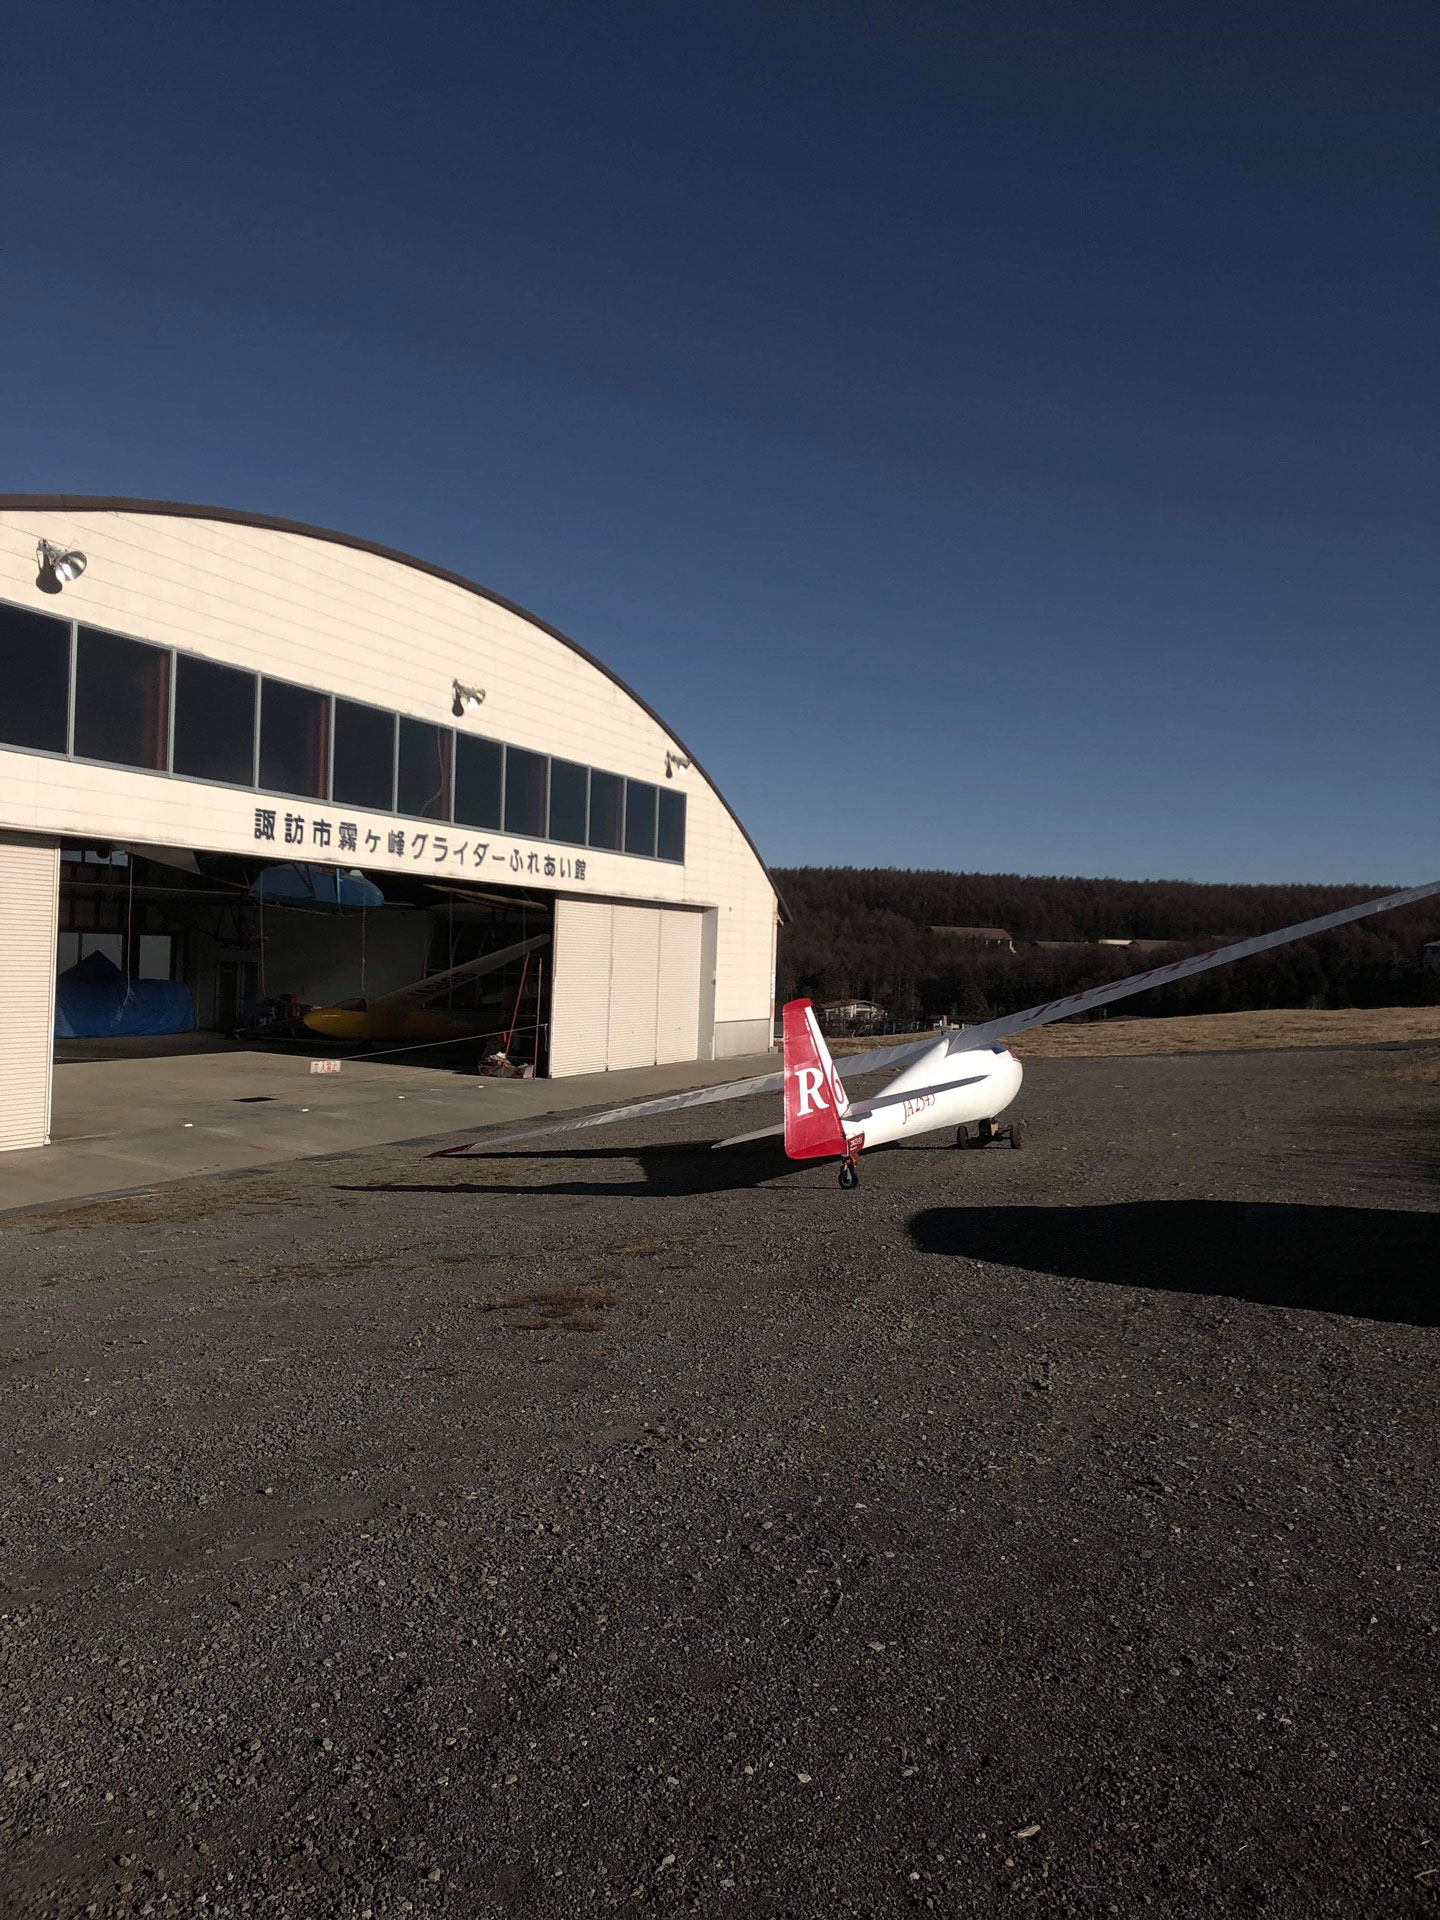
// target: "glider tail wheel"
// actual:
[[962, 1138], [849, 1175]]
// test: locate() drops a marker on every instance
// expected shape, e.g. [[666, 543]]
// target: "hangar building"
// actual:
[[221, 707]]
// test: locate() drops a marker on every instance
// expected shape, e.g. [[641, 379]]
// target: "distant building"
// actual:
[[1430, 956], [1146, 946], [977, 936], [851, 1015], [1133, 946]]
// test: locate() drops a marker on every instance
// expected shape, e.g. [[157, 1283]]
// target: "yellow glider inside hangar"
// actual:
[[403, 1015]]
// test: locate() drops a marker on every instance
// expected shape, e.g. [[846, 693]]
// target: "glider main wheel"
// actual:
[[962, 1138], [849, 1176], [1017, 1134]]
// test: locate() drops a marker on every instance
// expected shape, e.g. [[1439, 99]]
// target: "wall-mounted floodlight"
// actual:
[[672, 761], [467, 699], [58, 567]]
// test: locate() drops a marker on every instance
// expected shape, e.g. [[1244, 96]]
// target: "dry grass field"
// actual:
[[1212, 1033]]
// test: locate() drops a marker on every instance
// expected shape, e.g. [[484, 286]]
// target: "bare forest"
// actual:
[[869, 932]]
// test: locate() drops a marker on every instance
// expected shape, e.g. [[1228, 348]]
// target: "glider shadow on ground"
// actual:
[[1366, 1261], [675, 1171]]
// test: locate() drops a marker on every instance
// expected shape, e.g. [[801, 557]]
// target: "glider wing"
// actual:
[[435, 983], [637, 1110]]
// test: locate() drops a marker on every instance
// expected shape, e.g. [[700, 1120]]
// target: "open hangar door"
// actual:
[[440, 975], [261, 945], [628, 986]]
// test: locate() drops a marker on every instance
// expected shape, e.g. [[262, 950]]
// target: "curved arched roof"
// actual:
[[184, 510]]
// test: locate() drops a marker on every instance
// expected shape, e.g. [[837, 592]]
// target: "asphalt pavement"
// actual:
[[625, 1527], [126, 1118]]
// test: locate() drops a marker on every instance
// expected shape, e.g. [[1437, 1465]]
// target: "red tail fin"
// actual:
[[814, 1097]]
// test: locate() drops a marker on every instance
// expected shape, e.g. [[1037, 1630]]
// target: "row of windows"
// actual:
[[135, 705]]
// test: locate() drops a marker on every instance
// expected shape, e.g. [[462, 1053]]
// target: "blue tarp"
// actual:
[[304, 884], [95, 998]]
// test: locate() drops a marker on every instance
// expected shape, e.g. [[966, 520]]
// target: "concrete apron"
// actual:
[[123, 1124]]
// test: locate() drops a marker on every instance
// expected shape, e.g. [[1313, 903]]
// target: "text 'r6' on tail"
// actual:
[[815, 1100]]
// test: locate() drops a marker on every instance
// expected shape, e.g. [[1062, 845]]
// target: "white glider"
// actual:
[[956, 1081]]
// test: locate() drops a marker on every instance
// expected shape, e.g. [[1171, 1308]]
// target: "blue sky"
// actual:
[[993, 438]]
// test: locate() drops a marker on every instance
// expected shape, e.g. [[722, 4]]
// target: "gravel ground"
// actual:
[[629, 1528]]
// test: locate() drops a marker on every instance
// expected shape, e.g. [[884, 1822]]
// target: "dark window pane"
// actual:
[[293, 746], [34, 679], [607, 801], [568, 784], [214, 721], [478, 771], [122, 697], [423, 788], [670, 842], [639, 817], [364, 771], [525, 793]]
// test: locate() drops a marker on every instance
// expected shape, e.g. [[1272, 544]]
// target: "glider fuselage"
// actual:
[[940, 1090], [423, 1025]]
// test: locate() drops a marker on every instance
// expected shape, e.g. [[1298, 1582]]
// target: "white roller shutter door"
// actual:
[[29, 905], [677, 1014], [580, 993], [634, 986]]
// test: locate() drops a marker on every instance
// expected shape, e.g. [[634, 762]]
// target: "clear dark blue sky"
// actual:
[[995, 437]]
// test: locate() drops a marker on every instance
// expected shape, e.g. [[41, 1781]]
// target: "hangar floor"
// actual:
[[136, 1120]]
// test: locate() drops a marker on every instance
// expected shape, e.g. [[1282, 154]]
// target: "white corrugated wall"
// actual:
[[580, 990], [634, 986], [29, 912], [677, 1013], [626, 988]]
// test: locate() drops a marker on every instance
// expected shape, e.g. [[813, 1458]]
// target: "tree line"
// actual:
[[867, 932]]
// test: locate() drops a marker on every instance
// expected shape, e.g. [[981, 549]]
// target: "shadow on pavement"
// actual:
[[674, 1171], [1370, 1262]]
